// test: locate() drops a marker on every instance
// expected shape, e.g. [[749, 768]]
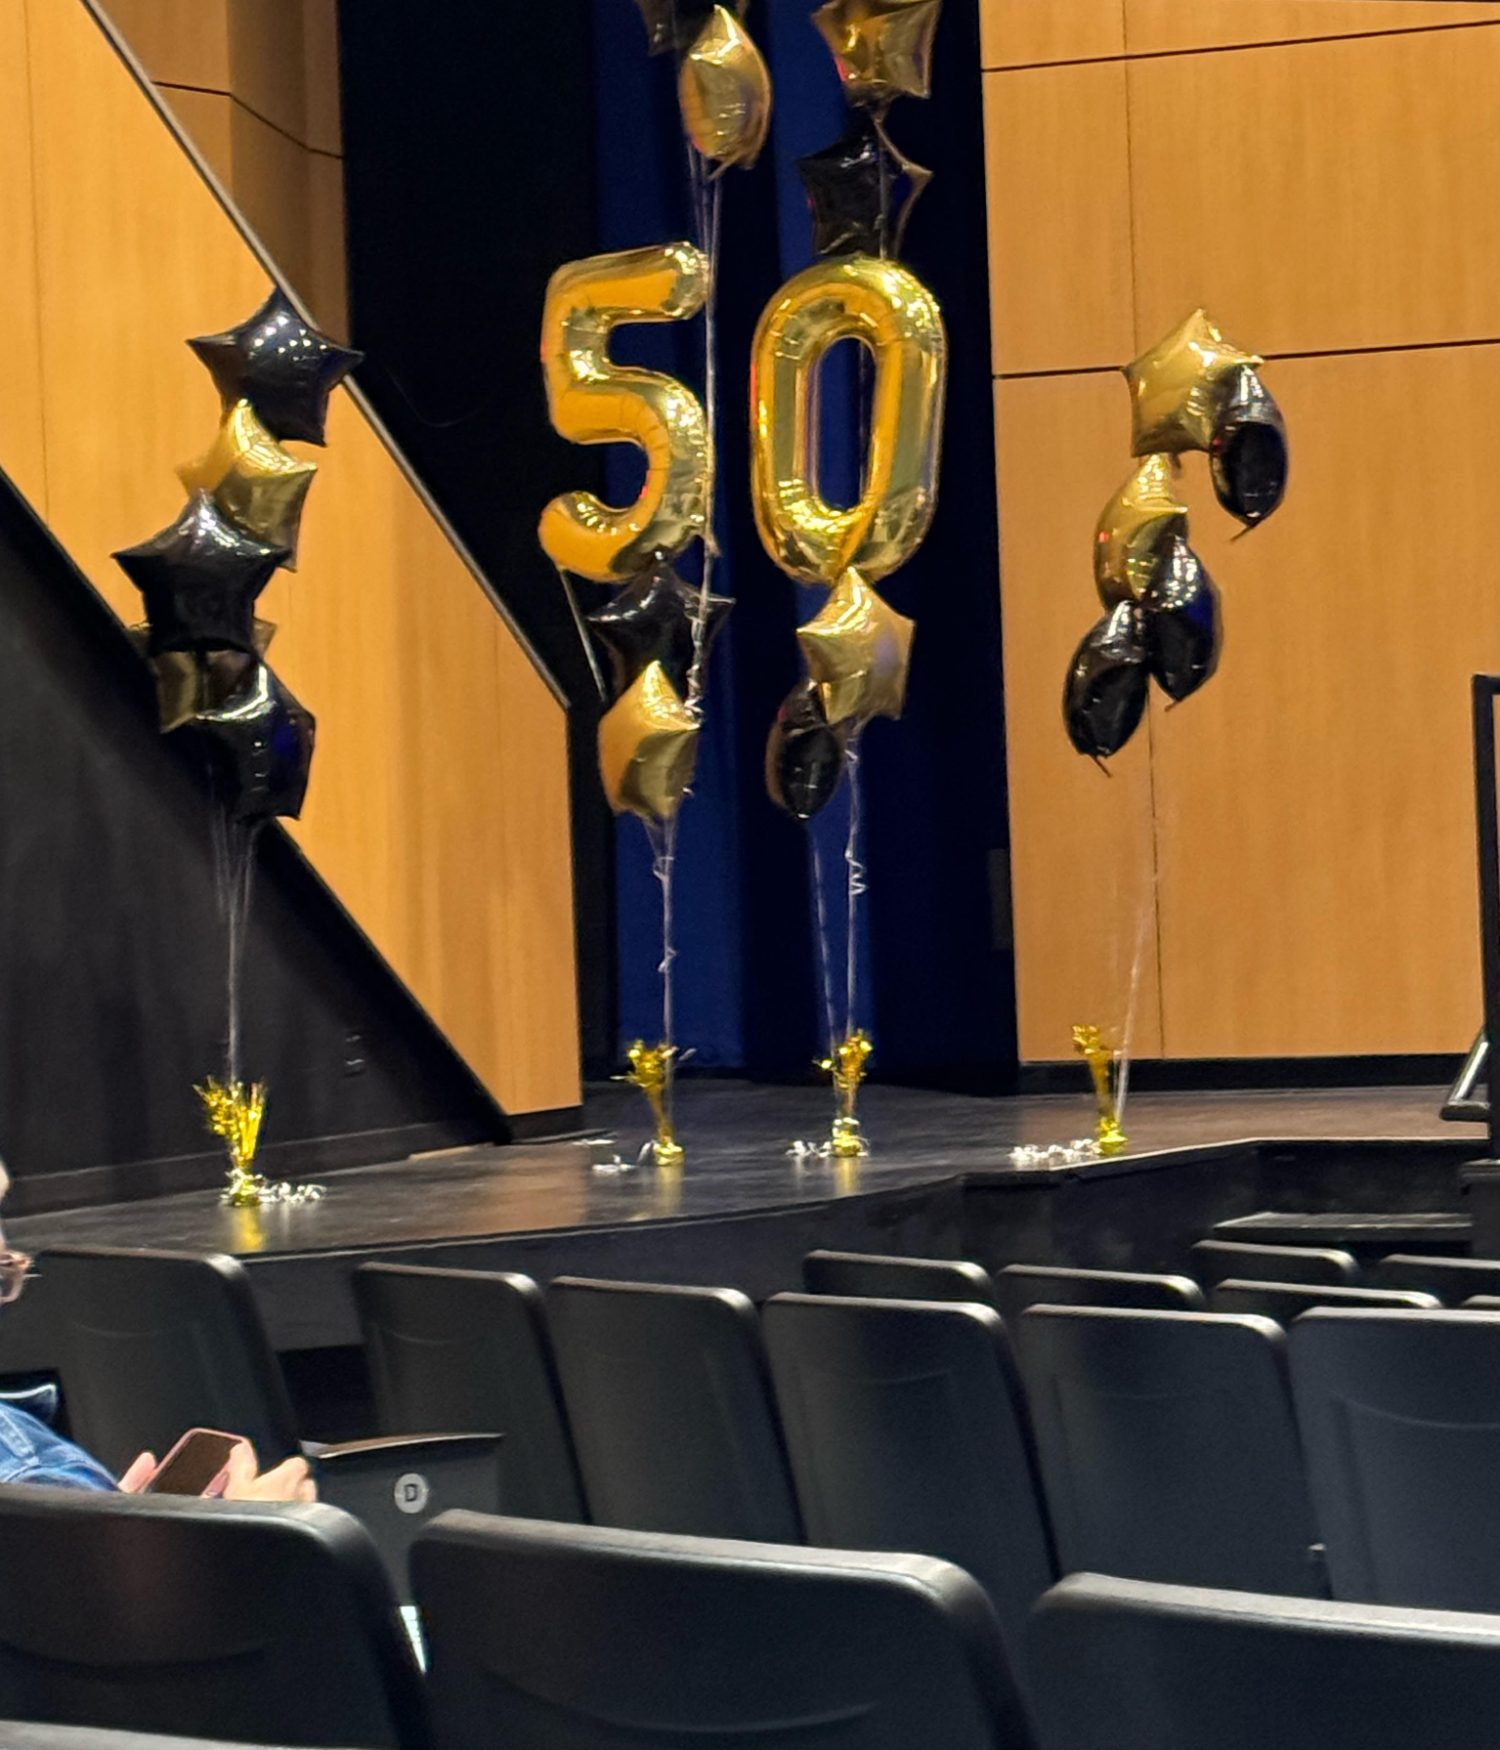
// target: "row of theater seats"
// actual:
[[195, 1621]]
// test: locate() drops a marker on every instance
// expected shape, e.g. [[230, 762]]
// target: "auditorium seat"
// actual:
[[1284, 1301], [1213, 1260], [210, 1619], [468, 1351], [567, 1637], [875, 1277], [1125, 1665], [1168, 1448], [1400, 1417], [1452, 1280], [1019, 1286], [907, 1429], [152, 1343], [669, 1399]]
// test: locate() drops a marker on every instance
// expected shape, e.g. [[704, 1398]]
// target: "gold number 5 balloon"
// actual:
[[592, 400], [881, 304]]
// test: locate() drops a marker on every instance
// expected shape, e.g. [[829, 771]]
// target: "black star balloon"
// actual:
[[651, 620], [1247, 455], [1183, 634], [861, 191], [1105, 692], [285, 369], [200, 579], [673, 26], [804, 753], [261, 743]]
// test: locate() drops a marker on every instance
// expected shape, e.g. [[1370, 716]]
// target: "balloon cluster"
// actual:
[[201, 576], [860, 191], [1194, 390], [723, 87]]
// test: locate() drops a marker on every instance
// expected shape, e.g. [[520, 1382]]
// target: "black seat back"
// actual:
[[1019, 1286], [151, 1343], [875, 1277], [466, 1351], [580, 1638], [1168, 1448], [1213, 1260], [239, 1620], [1125, 1665], [669, 1400], [1400, 1415], [1452, 1280], [907, 1430], [1284, 1301]]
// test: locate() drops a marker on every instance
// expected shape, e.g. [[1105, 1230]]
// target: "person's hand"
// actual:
[[139, 1472], [291, 1480]]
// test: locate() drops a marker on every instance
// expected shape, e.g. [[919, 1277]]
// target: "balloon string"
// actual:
[[825, 964], [583, 635], [855, 889], [708, 208], [234, 874], [663, 841]]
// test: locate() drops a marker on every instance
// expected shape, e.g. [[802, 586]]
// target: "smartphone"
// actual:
[[197, 1465]]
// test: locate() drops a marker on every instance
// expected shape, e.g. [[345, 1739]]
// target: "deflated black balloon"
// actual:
[[804, 753], [282, 366], [200, 578], [651, 620], [261, 741], [675, 25], [1248, 452], [861, 191], [1183, 629], [1105, 692]]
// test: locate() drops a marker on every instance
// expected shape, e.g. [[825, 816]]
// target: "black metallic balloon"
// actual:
[[1248, 453], [804, 753], [651, 620], [200, 578], [285, 369], [1183, 630], [861, 191], [261, 741], [1105, 692], [673, 26]]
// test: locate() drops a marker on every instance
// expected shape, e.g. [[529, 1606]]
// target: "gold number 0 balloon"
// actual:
[[888, 309], [592, 400]]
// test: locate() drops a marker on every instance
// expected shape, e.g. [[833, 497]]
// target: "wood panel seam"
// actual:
[[249, 109], [1336, 352]]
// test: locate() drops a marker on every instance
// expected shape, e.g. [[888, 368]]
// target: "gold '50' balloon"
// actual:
[[888, 309], [592, 400]]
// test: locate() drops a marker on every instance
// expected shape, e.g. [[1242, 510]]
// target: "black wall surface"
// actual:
[[112, 950]]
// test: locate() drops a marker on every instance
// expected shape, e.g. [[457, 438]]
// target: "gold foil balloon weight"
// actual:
[[651, 1070], [234, 1111], [847, 1067], [1103, 1062]]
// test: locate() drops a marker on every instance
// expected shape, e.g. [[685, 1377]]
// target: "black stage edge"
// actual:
[[939, 1181]]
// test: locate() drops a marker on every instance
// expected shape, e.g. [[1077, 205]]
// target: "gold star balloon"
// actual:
[[1135, 531], [252, 480], [1177, 388], [724, 91], [648, 745], [883, 48], [857, 650], [190, 681]]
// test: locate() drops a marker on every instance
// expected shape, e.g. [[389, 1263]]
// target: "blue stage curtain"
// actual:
[[936, 974]]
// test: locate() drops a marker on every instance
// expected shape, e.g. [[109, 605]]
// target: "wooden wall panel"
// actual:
[[1081, 845], [207, 117], [1373, 164], [1165, 26], [181, 42], [1020, 33], [1057, 164], [21, 445], [438, 809]]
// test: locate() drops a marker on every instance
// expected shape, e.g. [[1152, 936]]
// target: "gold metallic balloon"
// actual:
[[724, 91], [1135, 530], [190, 681], [883, 48], [1178, 386], [254, 482], [857, 650], [887, 308], [648, 745], [595, 401]]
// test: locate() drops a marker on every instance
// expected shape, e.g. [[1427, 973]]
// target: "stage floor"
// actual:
[[737, 1137]]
